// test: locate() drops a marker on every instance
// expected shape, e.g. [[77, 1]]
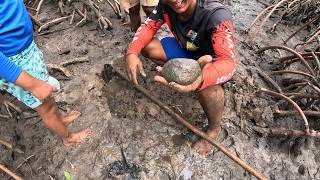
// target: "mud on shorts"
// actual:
[[127, 4], [30, 60]]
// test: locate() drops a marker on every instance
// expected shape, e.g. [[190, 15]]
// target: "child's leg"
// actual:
[[135, 20], [51, 117], [31, 61]]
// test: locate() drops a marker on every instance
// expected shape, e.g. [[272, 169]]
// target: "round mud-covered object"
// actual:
[[181, 70]]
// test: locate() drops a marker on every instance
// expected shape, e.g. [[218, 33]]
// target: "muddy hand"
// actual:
[[203, 60], [176, 86], [134, 64]]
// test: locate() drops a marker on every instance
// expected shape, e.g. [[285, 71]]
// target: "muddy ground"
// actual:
[[126, 124]]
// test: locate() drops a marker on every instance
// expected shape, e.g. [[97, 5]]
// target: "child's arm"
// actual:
[[14, 74], [9, 71]]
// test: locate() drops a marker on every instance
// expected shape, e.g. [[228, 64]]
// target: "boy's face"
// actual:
[[179, 6]]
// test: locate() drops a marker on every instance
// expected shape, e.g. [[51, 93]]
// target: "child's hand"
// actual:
[[42, 90], [38, 88]]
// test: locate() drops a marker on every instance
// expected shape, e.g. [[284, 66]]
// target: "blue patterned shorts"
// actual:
[[31, 61]]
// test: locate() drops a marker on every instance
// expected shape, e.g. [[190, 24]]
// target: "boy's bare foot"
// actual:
[[70, 117], [202, 146], [76, 137]]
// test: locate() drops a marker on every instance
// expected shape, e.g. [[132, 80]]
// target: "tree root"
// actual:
[[9, 105], [104, 23], [61, 67], [52, 23], [292, 113], [293, 52], [9, 172], [295, 105], [285, 132], [6, 144], [289, 10]]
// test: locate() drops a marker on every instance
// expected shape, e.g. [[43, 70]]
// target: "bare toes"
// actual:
[[70, 117], [77, 137]]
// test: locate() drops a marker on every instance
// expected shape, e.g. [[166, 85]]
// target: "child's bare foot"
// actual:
[[77, 137], [70, 117], [202, 146]]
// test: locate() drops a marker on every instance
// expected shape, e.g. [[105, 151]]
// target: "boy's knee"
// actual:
[[212, 92]]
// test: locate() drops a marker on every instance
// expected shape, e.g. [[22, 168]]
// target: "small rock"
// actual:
[[181, 70]]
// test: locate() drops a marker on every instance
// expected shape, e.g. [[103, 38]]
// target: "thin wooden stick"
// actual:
[[53, 22], [39, 7], [6, 144], [10, 173]]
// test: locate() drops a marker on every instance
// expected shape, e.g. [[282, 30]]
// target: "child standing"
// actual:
[[24, 74]]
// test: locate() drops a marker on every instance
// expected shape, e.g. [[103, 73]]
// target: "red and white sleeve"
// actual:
[[222, 68]]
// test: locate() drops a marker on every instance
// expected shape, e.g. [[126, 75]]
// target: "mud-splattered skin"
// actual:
[[181, 70]]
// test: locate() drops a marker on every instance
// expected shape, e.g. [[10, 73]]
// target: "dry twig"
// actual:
[[10, 173]]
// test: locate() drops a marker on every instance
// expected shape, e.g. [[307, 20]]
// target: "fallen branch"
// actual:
[[60, 68], [53, 22], [6, 144], [10, 173], [75, 61], [39, 7]]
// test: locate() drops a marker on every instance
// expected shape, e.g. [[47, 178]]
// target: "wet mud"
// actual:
[[132, 137]]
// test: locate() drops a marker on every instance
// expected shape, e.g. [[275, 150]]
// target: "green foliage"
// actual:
[[67, 175]]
